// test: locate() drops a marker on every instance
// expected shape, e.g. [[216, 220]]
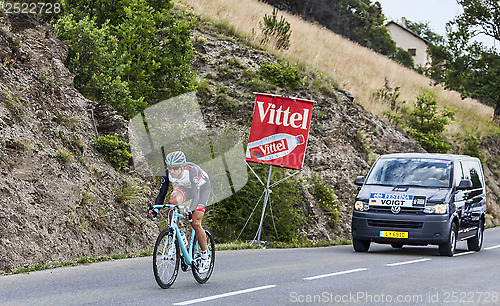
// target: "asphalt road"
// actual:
[[336, 275]]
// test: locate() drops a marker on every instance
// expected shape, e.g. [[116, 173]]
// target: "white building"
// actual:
[[409, 41]]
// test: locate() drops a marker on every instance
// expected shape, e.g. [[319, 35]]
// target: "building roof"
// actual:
[[407, 30]]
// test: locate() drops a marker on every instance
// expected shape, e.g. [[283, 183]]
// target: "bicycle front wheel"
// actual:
[[166, 258], [203, 277]]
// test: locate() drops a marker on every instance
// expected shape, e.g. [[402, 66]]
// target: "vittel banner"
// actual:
[[279, 132]]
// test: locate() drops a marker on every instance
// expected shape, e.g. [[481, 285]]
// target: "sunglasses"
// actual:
[[174, 168]]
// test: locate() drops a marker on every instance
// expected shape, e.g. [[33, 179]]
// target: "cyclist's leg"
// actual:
[[177, 196], [196, 224], [198, 215]]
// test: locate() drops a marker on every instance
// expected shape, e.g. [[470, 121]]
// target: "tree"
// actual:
[[426, 124], [403, 57], [423, 30], [358, 20], [279, 30], [112, 11], [436, 49], [471, 68]]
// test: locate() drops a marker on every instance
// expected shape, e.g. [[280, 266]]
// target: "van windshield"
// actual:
[[419, 172]]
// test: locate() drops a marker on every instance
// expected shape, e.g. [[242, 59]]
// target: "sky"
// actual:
[[436, 12]]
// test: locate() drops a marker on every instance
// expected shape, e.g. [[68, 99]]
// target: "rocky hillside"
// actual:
[[60, 200]]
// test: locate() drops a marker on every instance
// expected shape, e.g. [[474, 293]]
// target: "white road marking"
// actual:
[[213, 297], [407, 262], [336, 273], [492, 247], [464, 253]]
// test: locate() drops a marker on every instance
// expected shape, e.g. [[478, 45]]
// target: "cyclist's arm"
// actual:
[[163, 189]]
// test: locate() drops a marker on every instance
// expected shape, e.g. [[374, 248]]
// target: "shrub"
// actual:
[[203, 91], [113, 150], [279, 30], [227, 105], [235, 63], [398, 111], [130, 54], [472, 147], [281, 74], [327, 201], [426, 124]]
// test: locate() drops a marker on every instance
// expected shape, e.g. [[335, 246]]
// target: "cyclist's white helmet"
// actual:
[[176, 158]]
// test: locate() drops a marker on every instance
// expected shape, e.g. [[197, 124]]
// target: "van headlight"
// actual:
[[438, 209], [361, 206]]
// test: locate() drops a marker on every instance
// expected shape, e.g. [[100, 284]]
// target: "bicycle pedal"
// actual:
[[185, 267]]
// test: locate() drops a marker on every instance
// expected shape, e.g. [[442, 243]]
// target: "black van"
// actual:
[[420, 199]]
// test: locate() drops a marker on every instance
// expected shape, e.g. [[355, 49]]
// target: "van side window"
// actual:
[[476, 183], [474, 174], [459, 173]]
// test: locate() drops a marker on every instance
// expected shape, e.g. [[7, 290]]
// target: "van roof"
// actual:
[[451, 157]]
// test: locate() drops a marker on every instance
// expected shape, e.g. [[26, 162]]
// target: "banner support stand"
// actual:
[[267, 192], [266, 198]]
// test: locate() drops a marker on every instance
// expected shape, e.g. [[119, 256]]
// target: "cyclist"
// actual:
[[191, 183]]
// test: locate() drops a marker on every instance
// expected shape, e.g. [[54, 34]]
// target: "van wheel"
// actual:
[[397, 245], [448, 248], [361, 245], [475, 243]]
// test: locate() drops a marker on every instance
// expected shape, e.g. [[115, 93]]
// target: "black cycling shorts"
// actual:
[[188, 194]]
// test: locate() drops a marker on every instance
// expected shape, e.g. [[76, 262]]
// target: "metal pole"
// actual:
[[266, 197]]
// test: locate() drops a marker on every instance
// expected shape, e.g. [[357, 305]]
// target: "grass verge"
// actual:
[[236, 245], [84, 260], [240, 245]]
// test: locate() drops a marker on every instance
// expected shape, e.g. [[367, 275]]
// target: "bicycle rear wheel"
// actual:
[[166, 258], [203, 277]]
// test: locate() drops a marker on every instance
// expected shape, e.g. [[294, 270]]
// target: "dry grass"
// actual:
[[353, 67]]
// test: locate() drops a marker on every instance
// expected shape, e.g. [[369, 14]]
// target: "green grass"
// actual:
[[64, 157], [84, 260], [131, 192], [240, 245]]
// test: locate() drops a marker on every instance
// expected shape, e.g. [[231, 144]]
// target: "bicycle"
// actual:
[[169, 253]]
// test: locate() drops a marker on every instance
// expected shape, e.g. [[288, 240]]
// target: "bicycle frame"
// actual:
[[173, 224]]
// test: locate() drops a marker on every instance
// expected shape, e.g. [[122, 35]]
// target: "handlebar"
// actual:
[[171, 206], [156, 209]]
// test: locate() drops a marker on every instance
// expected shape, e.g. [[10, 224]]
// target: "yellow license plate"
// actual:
[[392, 234]]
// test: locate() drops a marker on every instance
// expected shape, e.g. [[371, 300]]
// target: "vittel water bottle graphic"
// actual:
[[274, 146], [184, 239]]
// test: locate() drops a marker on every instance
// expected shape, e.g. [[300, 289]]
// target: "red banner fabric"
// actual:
[[279, 132]]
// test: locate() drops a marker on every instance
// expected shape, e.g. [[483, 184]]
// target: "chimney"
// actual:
[[403, 22]]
